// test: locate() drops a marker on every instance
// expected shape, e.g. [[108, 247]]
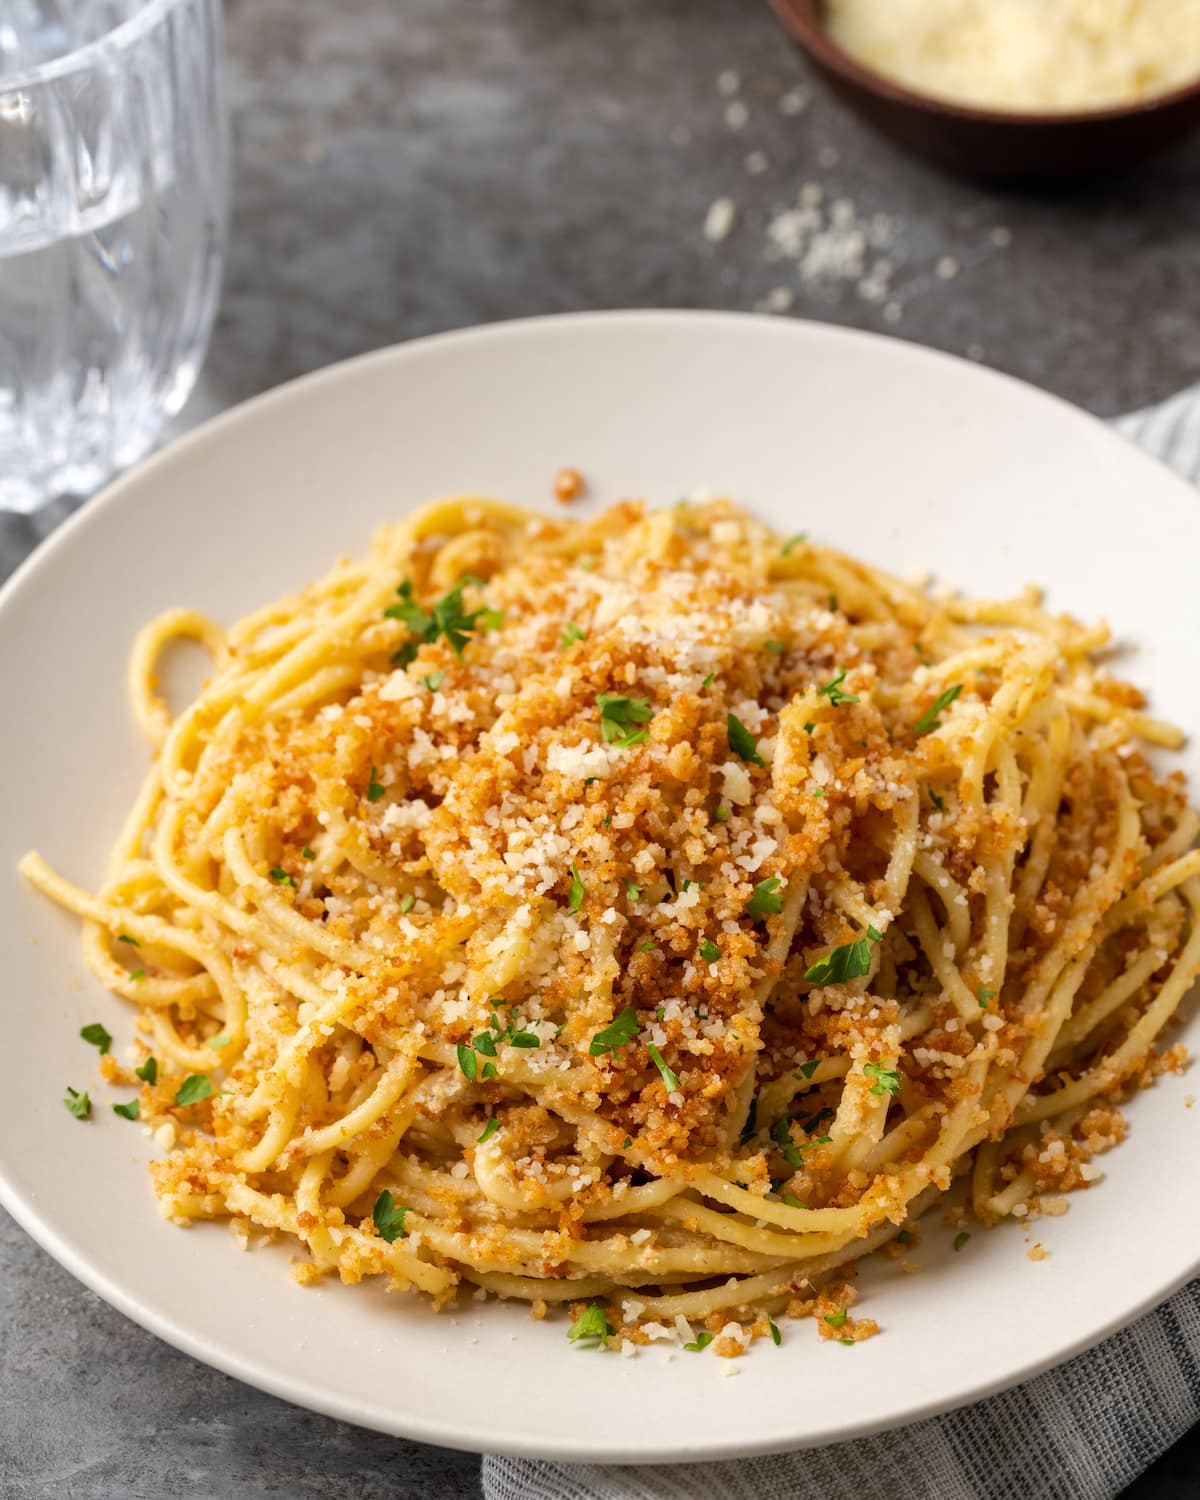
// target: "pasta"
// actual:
[[643, 912]]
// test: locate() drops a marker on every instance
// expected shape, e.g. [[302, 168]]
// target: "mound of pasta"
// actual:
[[646, 912]]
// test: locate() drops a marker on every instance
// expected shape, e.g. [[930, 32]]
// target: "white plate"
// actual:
[[908, 458]]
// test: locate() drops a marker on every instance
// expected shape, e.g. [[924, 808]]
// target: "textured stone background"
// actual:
[[405, 166]]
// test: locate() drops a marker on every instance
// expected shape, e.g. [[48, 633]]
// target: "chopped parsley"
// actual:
[[791, 1200], [128, 1111], [809, 1068], [308, 853], [720, 814], [833, 601], [618, 715], [818, 791], [467, 1061], [937, 801], [489, 1130], [709, 680], [571, 634], [375, 788], [575, 899], [906, 1237], [619, 1034], [281, 877], [148, 1072], [217, 1042], [649, 946], [433, 681], [741, 741], [833, 688], [766, 900], [123, 937], [930, 718], [850, 961], [961, 1239], [773, 1330], [591, 1326], [138, 974], [635, 891], [485, 1042], [626, 1143], [983, 996], [781, 1134], [97, 1036], [79, 1104], [388, 1217], [809, 727], [922, 654], [709, 951], [700, 1342], [850, 1342], [195, 1086], [775, 646], [836, 1319], [447, 619], [407, 902], [792, 542], [668, 1077], [887, 1080]]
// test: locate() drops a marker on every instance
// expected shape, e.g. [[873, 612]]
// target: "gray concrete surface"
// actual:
[[405, 166]]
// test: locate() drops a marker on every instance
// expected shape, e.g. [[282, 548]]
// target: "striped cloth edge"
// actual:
[[1082, 1431]]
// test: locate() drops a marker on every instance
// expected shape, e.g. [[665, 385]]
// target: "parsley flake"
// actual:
[[591, 1327], [571, 634], [307, 853], [983, 996], [375, 788], [773, 1329], [766, 901], [138, 974], [123, 937], [938, 802], [741, 741], [906, 1237], [833, 689], [388, 1217], [575, 899], [850, 961], [668, 1077], [618, 714], [407, 902], [700, 1342], [774, 646], [649, 946], [810, 1067], [79, 1104], [467, 1061], [128, 1111], [280, 876], [148, 1072], [97, 1036], [793, 542], [634, 890], [930, 718], [619, 1034], [709, 680], [433, 681], [961, 1239], [447, 619], [489, 1130], [709, 951], [720, 814], [887, 1080], [836, 1319], [195, 1086], [791, 1200]]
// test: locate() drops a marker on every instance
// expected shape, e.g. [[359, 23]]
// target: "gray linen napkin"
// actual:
[[1080, 1432]]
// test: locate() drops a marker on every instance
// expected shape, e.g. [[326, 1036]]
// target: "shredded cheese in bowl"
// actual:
[[1035, 55]]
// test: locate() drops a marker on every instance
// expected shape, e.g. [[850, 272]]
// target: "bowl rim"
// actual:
[[799, 17]]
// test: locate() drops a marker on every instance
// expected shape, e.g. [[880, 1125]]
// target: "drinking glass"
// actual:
[[114, 171]]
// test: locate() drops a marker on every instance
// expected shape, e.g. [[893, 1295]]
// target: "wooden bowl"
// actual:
[[994, 143]]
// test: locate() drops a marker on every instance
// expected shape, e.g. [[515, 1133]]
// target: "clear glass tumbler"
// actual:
[[114, 189]]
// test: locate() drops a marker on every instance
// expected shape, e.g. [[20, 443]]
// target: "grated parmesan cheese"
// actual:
[[1025, 54]]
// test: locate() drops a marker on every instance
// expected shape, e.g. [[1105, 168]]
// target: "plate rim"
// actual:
[[448, 1432]]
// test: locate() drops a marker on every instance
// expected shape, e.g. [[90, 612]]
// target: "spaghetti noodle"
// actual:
[[641, 910]]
